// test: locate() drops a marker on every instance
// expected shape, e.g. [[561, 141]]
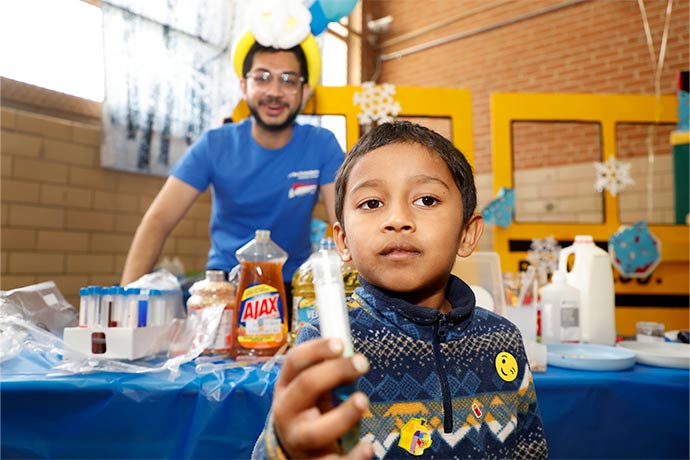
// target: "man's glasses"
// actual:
[[288, 82]]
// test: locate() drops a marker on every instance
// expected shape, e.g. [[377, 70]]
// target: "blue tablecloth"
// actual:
[[639, 413], [122, 416]]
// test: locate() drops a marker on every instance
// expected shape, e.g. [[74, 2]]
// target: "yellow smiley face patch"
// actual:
[[506, 366]]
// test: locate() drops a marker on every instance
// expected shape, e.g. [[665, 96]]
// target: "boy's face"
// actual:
[[274, 107], [402, 216]]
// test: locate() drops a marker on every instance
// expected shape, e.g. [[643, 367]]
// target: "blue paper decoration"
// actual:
[[634, 250], [500, 210], [683, 111]]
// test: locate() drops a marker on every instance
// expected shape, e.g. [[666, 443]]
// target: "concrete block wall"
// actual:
[[66, 219]]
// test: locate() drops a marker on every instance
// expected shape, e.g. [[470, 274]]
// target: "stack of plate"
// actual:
[[660, 354]]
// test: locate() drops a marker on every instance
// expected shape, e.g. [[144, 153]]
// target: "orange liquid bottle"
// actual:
[[261, 325]]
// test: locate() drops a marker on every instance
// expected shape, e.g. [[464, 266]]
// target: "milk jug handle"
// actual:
[[563, 258]]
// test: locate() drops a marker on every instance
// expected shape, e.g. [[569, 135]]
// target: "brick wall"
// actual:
[[64, 218], [595, 46]]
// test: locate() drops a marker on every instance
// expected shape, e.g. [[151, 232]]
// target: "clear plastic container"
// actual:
[[213, 290], [261, 325], [560, 319]]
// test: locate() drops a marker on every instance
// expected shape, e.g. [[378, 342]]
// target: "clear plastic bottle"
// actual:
[[210, 291], [261, 325], [560, 311]]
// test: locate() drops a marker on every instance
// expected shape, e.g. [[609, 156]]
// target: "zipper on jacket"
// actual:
[[441, 327]]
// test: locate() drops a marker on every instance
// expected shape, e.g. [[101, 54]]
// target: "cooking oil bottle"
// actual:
[[261, 327], [304, 307], [303, 296]]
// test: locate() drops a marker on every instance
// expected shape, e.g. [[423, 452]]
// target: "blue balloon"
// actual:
[[333, 10], [318, 19]]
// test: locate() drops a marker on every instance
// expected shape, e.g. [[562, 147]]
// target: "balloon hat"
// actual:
[[280, 24]]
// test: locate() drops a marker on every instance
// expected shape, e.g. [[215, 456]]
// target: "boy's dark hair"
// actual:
[[258, 48], [404, 132]]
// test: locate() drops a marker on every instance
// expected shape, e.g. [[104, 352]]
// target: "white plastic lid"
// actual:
[[262, 235], [584, 239]]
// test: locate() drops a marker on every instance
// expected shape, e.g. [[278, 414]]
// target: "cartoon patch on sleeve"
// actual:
[[415, 436], [506, 366]]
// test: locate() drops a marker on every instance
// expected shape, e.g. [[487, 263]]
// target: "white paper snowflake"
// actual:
[[376, 102], [543, 254], [612, 175]]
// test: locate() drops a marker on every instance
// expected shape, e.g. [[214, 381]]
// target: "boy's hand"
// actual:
[[306, 423]]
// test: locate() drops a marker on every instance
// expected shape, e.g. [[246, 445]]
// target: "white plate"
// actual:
[[583, 356], [661, 354]]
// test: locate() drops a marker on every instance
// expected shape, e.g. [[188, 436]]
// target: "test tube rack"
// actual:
[[127, 343]]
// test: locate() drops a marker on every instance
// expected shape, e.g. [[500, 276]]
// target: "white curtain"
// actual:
[[168, 77]]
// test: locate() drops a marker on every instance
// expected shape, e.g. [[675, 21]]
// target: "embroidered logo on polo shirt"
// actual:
[[301, 190], [306, 183], [415, 436]]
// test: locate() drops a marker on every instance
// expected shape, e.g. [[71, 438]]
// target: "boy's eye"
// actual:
[[426, 201], [371, 204]]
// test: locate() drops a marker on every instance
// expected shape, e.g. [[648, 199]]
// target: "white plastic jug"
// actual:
[[591, 273]]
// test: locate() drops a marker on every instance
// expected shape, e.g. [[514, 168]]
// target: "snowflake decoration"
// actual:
[[543, 254], [500, 210], [634, 250], [612, 175], [377, 103]]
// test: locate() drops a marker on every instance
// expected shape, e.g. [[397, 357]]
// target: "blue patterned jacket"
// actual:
[[445, 386]]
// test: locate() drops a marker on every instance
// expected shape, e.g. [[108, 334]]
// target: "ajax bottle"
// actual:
[[214, 290], [560, 316], [261, 326], [592, 274]]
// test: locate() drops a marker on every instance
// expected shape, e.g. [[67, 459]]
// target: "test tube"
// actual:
[[132, 307], [326, 269], [156, 307], [143, 309], [119, 314], [100, 308], [334, 321], [84, 301]]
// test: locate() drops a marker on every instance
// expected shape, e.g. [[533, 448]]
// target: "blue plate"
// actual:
[[584, 356]]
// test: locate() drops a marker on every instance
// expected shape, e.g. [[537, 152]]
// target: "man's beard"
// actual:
[[274, 128]]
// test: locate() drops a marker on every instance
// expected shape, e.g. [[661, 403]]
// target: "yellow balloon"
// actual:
[[309, 47]]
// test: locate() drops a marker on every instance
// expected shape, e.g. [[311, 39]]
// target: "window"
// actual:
[[58, 45], [55, 44]]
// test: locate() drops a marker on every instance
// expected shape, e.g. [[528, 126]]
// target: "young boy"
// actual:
[[438, 376]]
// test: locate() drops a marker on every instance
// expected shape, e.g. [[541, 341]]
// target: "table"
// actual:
[[121, 416], [639, 413]]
